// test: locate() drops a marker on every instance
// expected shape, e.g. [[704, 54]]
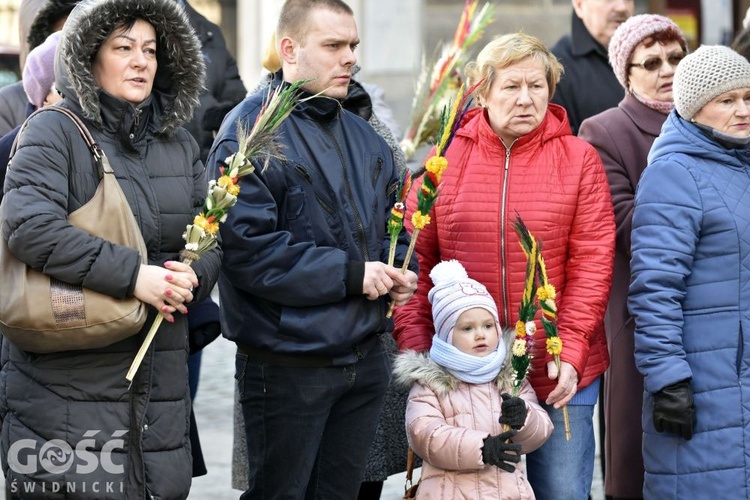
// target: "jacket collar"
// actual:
[[681, 136], [121, 117], [320, 109], [648, 120], [582, 42], [412, 367], [555, 124]]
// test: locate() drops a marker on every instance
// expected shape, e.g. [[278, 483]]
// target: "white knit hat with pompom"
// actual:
[[454, 292]]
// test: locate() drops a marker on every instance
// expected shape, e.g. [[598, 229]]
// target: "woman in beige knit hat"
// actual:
[[690, 285], [644, 53]]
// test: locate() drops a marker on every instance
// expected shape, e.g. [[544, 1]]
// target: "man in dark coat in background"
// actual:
[[589, 85], [224, 88]]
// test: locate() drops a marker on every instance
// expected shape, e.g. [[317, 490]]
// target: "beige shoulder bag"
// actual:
[[42, 314]]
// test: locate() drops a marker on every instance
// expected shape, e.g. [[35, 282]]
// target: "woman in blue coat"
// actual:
[[690, 286]]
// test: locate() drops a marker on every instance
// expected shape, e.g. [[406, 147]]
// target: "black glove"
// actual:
[[513, 411], [674, 410], [496, 451]]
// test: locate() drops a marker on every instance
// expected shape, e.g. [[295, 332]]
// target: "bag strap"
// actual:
[[409, 468], [99, 156]]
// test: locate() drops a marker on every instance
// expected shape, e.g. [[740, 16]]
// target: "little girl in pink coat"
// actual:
[[460, 418]]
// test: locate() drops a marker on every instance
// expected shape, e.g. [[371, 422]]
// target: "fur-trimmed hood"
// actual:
[[181, 70], [412, 367]]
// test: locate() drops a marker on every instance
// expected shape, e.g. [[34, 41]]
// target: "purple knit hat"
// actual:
[[39, 71], [632, 32]]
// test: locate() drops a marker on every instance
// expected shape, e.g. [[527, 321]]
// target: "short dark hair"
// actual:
[[294, 15]]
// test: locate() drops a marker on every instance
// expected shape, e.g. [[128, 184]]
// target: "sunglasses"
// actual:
[[655, 63]]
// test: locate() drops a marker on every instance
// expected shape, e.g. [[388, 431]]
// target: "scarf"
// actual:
[[466, 367], [664, 107]]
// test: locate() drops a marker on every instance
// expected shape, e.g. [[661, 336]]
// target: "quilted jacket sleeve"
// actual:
[[432, 438], [589, 265], [666, 229]]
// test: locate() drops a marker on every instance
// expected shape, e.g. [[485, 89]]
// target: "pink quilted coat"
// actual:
[[557, 184], [446, 423]]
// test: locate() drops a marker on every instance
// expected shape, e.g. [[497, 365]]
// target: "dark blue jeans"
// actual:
[[309, 430]]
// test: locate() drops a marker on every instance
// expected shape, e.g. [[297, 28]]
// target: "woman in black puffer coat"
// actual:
[[71, 427]]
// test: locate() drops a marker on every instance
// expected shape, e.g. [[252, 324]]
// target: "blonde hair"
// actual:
[[271, 59], [507, 50]]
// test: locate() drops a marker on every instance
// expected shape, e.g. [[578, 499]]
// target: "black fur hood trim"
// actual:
[[181, 71]]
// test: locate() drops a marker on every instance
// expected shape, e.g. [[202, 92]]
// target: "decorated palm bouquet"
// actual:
[[538, 293], [439, 82], [435, 166], [256, 144], [525, 326]]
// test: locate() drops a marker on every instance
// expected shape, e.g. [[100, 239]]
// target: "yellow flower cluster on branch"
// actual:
[[206, 223], [519, 347], [419, 220], [230, 184], [554, 346], [436, 165], [539, 293], [546, 292]]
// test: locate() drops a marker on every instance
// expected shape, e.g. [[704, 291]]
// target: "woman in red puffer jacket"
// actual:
[[515, 153]]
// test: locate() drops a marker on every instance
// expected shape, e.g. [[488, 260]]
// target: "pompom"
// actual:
[[448, 271]]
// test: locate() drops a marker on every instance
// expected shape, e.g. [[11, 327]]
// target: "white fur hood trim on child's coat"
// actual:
[[412, 367]]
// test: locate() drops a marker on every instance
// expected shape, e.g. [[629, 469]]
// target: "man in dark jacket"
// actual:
[[304, 289], [589, 85]]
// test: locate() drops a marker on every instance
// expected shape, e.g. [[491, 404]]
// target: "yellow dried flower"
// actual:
[[207, 225], [419, 220], [228, 183], [554, 346], [436, 165], [546, 292], [520, 328], [519, 347]]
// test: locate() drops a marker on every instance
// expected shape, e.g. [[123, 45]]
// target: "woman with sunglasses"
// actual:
[[644, 52], [690, 285]]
